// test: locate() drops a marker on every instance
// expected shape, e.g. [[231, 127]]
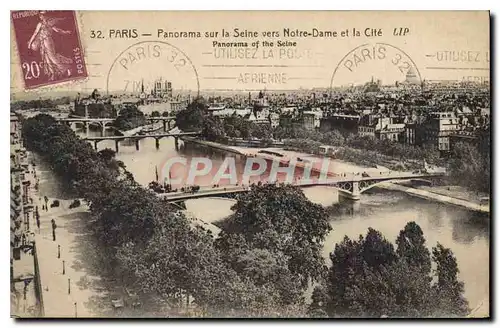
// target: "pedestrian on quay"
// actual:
[[23, 238], [31, 238], [54, 226], [37, 217]]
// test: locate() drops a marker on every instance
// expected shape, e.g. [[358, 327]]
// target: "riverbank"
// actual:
[[212, 144], [433, 196], [363, 157], [457, 192], [453, 195]]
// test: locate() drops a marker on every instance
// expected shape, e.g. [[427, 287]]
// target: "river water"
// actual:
[[466, 233]]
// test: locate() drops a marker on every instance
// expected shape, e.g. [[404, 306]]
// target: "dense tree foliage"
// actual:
[[279, 219], [192, 118], [369, 277], [470, 165], [130, 117], [236, 126], [197, 118], [362, 150], [39, 103]]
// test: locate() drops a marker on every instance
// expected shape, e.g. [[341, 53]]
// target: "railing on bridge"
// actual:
[[350, 184], [137, 137]]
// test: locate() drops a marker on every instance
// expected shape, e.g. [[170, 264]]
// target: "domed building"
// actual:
[[411, 76]]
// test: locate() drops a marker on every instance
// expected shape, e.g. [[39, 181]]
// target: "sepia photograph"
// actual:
[[250, 164]]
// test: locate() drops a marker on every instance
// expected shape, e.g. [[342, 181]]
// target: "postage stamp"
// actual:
[[49, 47]]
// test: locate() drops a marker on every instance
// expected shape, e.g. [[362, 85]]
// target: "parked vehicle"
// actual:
[[484, 201]]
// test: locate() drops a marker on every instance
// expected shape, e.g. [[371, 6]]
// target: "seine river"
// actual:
[[466, 233]]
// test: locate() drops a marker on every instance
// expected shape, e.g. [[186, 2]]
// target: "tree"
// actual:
[[180, 263], [95, 95], [130, 117], [213, 129], [155, 113], [191, 118], [282, 219], [376, 250], [411, 247], [451, 300], [269, 269], [319, 300], [469, 167], [368, 279]]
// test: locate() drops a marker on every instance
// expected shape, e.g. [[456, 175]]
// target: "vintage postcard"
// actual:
[[271, 164]]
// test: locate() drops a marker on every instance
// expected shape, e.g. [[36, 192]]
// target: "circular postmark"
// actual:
[[153, 67], [375, 63]]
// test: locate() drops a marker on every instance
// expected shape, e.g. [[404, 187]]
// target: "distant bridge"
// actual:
[[350, 186], [107, 121], [84, 119], [138, 137]]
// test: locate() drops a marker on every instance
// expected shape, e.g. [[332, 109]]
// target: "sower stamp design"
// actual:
[[153, 67], [375, 64], [49, 47]]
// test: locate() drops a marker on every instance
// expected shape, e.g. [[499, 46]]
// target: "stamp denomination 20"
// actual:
[[49, 47]]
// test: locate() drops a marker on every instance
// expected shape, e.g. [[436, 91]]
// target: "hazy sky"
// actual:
[[437, 45]]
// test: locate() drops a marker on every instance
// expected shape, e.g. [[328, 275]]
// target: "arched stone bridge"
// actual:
[[103, 122], [138, 137]]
